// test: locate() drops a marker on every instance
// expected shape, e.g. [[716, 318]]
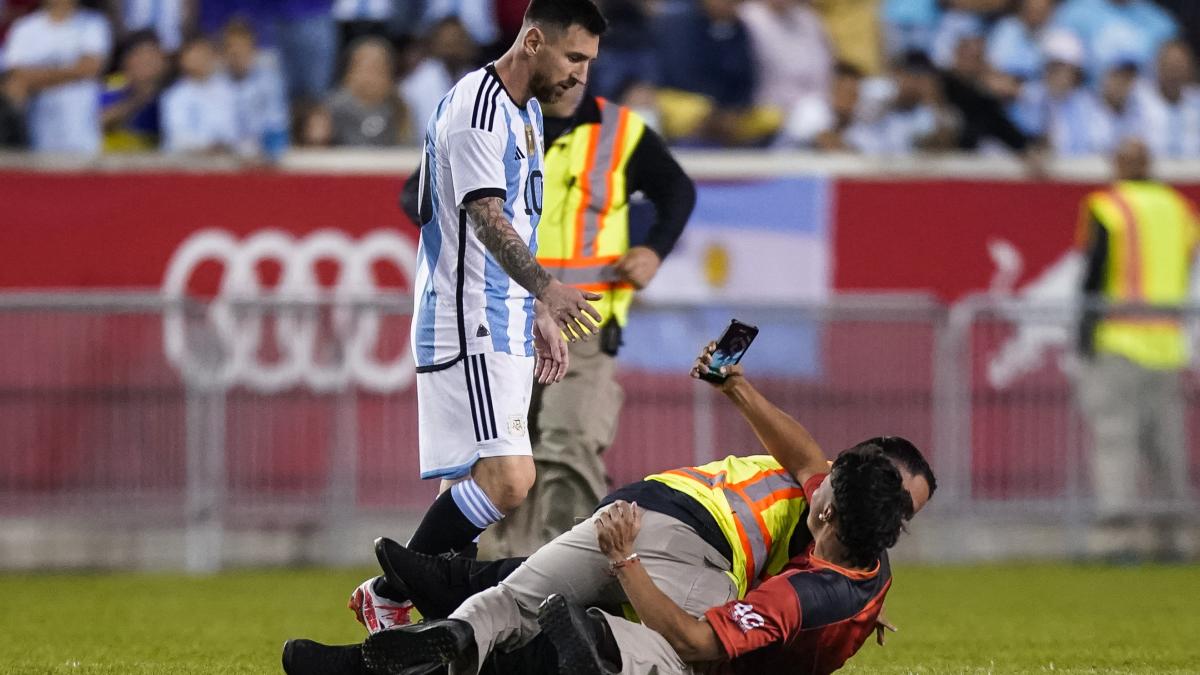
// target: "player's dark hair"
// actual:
[[870, 503], [906, 455], [563, 14]]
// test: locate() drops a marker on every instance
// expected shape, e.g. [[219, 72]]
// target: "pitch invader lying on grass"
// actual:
[[659, 579]]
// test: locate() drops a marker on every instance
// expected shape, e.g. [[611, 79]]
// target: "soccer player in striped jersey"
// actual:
[[487, 313]]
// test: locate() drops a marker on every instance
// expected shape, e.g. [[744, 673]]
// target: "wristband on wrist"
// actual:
[[615, 566]]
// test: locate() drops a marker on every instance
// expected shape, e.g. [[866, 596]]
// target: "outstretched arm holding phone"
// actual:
[[784, 438]]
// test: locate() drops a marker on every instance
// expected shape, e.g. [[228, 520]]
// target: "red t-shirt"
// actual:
[[810, 618]]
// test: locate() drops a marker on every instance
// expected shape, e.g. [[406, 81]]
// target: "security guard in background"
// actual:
[[1139, 237], [598, 155]]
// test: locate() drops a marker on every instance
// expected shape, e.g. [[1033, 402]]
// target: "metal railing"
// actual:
[[143, 411]]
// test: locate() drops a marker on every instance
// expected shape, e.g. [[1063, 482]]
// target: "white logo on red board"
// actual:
[[1032, 341], [226, 346]]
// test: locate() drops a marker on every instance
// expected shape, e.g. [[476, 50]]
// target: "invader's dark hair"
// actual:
[[906, 455], [870, 503], [563, 14]]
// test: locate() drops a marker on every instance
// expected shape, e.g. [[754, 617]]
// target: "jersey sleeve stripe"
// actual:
[[492, 116], [481, 98], [478, 96], [490, 85]]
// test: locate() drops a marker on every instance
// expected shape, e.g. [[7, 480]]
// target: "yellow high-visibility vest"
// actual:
[[1152, 234], [585, 216], [756, 503]]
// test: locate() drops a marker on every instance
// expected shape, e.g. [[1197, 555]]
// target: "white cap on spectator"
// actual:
[[1063, 46]]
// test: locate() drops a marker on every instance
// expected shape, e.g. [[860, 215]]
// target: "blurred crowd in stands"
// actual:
[[877, 77]]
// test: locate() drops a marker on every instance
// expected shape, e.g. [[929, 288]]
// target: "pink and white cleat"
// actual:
[[379, 612]]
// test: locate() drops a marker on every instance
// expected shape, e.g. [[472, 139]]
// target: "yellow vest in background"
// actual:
[[585, 216], [1152, 234], [756, 503]]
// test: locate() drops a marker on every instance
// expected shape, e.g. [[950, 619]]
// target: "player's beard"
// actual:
[[545, 90]]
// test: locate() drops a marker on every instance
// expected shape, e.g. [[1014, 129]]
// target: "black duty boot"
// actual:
[[582, 639], [436, 584], [305, 657], [418, 648]]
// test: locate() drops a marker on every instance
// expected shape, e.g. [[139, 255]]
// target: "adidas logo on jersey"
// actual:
[[520, 155], [483, 331]]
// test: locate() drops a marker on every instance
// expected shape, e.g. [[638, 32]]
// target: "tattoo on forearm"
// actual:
[[498, 235]]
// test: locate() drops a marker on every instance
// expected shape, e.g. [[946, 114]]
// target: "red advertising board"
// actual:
[[932, 235], [96, 230], [105, 230]]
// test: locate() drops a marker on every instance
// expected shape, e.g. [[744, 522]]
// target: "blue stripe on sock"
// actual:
[[475, 498], [489, 509], [474, 503], [462, 499]]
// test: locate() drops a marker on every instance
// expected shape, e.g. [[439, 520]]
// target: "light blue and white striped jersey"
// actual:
[[1172, 130], [1075, 124], [478, 143], [261, 111]]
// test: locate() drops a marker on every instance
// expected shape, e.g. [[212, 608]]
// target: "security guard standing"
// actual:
[[598, 156], [1139, 236]]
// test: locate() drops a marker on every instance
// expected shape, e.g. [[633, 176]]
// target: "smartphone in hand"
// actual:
[[730, 348]]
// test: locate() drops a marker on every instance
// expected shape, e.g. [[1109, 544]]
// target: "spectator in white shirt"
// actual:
[[169, 19], [916, 117], [199, 111], [792, 51], [821, 121], [1169, 107], [451, 53], [55, 57], [1058, 108], [262, 109]]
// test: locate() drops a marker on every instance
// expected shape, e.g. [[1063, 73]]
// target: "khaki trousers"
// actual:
[[573, 422], [685, 567], [1137, 420], [646, 652]]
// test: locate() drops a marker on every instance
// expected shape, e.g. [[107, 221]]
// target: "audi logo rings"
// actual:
[[239, 330]]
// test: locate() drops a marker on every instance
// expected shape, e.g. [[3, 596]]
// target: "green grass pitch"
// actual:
[[987, 619]]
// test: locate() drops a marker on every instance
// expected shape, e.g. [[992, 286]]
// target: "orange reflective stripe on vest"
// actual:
[[1132, 279], [748, 499], [585, 222], [1151, 233]]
